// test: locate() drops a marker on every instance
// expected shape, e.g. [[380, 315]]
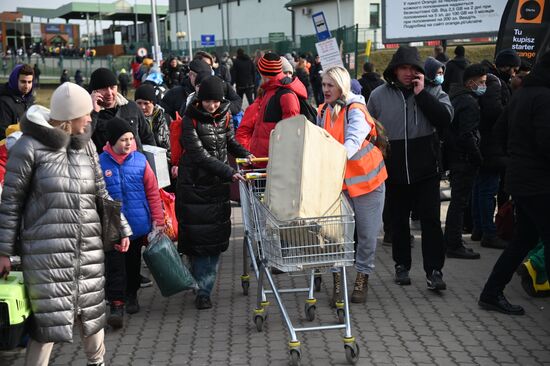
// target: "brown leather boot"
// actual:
[[336, 289], [360, 289]]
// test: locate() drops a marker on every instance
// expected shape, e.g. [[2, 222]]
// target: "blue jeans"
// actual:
[[204, 270], [483, 203]]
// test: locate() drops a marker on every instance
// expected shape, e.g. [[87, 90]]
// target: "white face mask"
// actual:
[[439, 79]]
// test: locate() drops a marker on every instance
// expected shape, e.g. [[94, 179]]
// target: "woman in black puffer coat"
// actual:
[[202, 195]]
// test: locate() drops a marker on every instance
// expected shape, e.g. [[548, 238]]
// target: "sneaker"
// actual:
[[435, 281], [132, 305], [116, 314], [360, 289], [203, 302], [462, 252], [402, 275], [493, 242], [500, 304], [145, 281]]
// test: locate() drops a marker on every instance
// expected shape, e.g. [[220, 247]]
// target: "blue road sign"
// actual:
[[208, 40], [321, 27]]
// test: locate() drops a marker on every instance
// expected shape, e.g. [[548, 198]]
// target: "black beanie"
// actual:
[[117, 127], [199, 66], [211, 89], [146, 92], [507, 57], [473, 71], [102, 78]]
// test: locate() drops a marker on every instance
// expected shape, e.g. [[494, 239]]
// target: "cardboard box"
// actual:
[[156, 156]]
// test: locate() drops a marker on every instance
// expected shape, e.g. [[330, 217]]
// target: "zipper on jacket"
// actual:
[[406, 140], [77, 309]]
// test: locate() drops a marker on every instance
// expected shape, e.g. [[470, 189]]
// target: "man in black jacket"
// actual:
[[527, 177], [243, 73], [175, 99], [410, 112], [492, 103], [454, 69], [463, 156], [108, 103], [370, 80], [15, 96]]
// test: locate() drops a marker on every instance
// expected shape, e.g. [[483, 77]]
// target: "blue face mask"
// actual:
[[481, 89], [439, 79]]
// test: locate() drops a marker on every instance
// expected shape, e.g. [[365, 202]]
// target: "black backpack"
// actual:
[[274, 113]]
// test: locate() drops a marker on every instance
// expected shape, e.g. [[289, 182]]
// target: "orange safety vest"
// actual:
[[365, 170]]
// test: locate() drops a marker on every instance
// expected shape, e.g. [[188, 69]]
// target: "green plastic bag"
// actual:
[[165, 264]]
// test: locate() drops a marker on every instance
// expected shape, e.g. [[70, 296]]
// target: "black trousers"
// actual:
[[122, 271], [249, 91], [462, 181], [424, 196], [532, 225]]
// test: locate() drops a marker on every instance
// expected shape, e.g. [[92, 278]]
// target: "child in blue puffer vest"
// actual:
[[129, 179]]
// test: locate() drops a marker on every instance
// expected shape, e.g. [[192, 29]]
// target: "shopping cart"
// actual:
[[303, 245]]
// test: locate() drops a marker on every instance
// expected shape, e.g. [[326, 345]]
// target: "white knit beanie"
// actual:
[[287, 66], [70, 101]]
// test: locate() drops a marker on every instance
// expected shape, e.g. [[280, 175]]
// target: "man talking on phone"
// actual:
[[412, 112], [109, 103]]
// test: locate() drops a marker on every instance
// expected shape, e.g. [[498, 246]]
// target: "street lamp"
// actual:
[[180, 36]]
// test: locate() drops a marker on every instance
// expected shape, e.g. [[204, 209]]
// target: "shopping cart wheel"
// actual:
[[317, 282], [341, 315], [295, 357], [259, 321], [352, 353], [310, 311]]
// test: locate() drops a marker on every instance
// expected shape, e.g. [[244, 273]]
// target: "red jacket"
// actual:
[[253, 133], [3, 161]]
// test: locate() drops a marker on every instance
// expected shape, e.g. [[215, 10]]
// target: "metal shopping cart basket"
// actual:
[[304, 244]]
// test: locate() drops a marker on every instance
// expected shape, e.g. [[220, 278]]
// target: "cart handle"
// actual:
[[252, 176], [253, 160]]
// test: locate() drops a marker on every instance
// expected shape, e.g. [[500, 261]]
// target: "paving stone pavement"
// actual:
[[397, 326]]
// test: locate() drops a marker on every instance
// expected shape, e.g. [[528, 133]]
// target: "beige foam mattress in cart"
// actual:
[[305, 170], [304, 180]]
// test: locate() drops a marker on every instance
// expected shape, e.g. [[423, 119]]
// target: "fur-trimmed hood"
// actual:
[[35, 123]]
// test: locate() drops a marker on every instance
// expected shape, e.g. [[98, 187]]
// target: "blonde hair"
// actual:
[[342, 79], [66, 126]]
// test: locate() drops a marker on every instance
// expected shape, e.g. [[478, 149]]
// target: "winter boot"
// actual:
[[116, 315], [336, 289], [360, 289]]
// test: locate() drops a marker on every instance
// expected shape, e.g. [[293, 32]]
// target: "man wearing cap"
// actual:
[[174, 100], [271, 108], [492, 104], [463, 155], [109, 103], [411, 111]]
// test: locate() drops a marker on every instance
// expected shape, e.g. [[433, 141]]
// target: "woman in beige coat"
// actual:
[[48, 216]]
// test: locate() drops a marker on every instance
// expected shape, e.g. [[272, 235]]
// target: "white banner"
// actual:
[[329, 53], [36, 31], [410, 20]]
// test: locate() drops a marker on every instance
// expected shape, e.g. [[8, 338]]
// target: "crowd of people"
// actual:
[[486, 124]]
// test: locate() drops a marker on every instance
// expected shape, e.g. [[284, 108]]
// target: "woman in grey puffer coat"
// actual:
[[48, 208]]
